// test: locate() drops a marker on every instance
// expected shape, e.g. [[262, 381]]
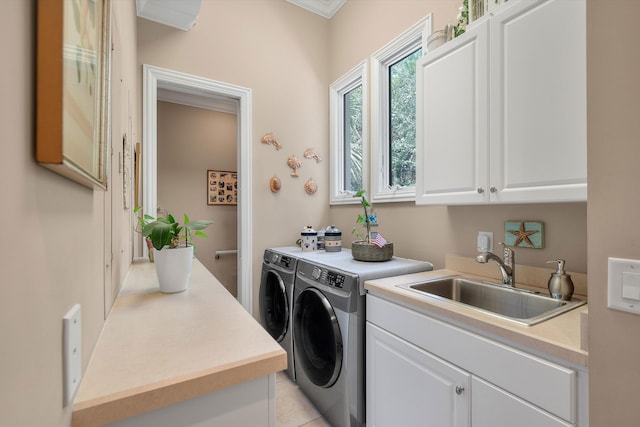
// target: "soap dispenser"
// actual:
[[560, 284]]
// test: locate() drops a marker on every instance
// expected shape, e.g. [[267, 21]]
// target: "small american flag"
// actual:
[[378, 240]]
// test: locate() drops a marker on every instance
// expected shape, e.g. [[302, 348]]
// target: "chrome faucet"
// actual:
[[507, 265]]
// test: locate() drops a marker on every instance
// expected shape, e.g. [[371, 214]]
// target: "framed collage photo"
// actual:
[[222, 187]]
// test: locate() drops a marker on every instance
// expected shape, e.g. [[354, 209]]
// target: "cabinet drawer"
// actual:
[[548, 385], [493, 407]]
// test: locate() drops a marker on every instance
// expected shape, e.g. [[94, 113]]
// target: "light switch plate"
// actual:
[[71, 353], [624, 285], [485, 241]]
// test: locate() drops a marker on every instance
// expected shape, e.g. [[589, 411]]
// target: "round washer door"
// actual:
[[317, 338], [274, 305]]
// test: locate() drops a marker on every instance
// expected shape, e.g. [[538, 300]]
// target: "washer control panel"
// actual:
[[319, 274], [336, 280]]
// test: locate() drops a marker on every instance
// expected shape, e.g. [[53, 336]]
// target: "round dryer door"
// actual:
[[317, 338], [274, 306]]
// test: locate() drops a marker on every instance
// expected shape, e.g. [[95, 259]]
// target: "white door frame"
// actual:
[[155, 78]]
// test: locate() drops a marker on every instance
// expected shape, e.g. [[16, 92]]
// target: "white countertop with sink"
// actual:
[[562, 336]]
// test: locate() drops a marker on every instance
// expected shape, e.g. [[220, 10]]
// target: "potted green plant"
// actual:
[[173, 248], [143, 220], [364, 249]]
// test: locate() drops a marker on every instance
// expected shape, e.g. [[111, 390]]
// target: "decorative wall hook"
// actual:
[[275, 184], [311, 154], [310, 186], [271, 139], [294, 164]]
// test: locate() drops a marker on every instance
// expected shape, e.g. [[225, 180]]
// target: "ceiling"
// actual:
[[325, 8]]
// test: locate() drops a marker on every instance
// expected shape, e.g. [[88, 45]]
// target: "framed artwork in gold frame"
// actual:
[[73, 89]]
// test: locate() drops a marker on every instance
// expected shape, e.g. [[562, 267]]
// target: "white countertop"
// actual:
[[158, 349], [559, 336]]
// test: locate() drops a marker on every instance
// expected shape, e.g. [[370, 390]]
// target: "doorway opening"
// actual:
[[197, 91]]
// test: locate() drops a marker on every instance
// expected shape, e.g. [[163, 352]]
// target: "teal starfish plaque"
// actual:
[[525, 234]]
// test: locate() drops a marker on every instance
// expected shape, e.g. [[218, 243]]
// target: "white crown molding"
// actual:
[[325, 8]]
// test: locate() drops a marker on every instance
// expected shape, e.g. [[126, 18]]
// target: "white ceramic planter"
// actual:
[[173, 267]]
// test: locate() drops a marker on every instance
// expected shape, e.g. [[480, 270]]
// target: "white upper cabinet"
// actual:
[[452, 121], [502, 109], [538, 102]]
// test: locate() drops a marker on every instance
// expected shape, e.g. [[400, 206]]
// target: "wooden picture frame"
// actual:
[[73, 89], [222, 187]]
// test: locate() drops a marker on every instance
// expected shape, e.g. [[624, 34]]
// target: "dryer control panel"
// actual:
[[281, 260]]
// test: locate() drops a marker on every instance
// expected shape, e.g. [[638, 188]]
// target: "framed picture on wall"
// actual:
[[72, 90], [222, 187]]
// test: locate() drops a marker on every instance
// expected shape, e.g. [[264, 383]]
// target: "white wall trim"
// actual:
[[356, 76], [155, 78], [395, 50]]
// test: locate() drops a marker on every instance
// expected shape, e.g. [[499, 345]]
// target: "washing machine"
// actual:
[[329, 325], [276, 298]]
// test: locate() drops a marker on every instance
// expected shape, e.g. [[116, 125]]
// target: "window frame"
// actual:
[[403, 45], [355, 77]]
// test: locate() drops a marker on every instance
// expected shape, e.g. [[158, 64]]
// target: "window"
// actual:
[[393, 110], [348, 135]]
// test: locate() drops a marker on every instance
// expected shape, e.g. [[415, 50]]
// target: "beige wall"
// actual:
[[53, 255], [57, 226], [280, 52], [429, 233], [361, 27], [190, 142], [614, 202]]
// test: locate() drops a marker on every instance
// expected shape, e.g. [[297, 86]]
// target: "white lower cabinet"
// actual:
[[407, 386], [250, 403], [422, 371]]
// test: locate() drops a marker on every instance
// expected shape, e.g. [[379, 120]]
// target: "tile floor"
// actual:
[[293, 409]]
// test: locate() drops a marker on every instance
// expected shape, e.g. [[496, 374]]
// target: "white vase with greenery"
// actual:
[[173, 249]]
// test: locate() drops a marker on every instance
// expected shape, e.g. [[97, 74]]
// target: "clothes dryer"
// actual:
[[276, 301]]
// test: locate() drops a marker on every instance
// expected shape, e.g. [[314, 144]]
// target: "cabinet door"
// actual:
[[452, 121], [538, 102], [494, 407], [406, 386]]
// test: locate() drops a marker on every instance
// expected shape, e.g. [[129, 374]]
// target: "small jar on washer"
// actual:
[[332, 239], [309, 238]]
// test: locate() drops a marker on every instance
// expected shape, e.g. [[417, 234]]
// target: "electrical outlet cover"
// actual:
[[485, 241], [71, 353]]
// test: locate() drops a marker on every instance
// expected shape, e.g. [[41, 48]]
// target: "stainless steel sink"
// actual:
[[514, 304]]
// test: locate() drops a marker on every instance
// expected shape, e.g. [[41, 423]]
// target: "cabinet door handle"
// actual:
[[480, 190], [493, 189], [459, 390]]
